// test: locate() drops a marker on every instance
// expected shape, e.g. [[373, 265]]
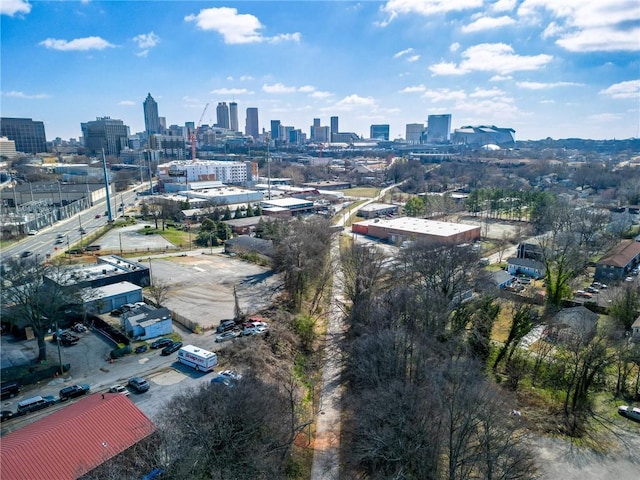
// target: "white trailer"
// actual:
[[198, 358]]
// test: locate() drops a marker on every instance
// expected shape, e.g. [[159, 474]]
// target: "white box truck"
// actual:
[[198, 358]]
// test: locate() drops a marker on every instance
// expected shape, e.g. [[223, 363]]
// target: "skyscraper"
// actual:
[[112, 135], [275, 129], [151, 119], [28, 135], [438, 128], [379, 132], [222, 115], [334, 128], [252, 126], [233, 113], [414, 133]]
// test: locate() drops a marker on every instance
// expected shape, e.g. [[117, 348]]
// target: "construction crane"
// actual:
[[194, 134]]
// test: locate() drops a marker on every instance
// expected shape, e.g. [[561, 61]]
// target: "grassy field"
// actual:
[[369, 192], [174, 235]]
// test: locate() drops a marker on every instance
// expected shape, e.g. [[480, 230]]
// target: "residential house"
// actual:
[[618, 262], [573, 324], [527, 266]]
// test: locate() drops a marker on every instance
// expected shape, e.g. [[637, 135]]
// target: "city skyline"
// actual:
[[539, 67]]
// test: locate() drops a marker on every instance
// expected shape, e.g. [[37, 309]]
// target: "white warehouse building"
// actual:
[[181, 171]]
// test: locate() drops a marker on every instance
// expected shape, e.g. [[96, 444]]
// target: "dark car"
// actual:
[[26, 253], [74, 391], [139, 384], [161, 343], [169, 349], [33, 404], [6, 415], [225, 326], [141, 349], [10, 389]]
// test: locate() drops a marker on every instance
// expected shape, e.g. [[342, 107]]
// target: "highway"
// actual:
[[46, 244]]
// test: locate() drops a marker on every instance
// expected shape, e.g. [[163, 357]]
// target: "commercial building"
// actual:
[[107, 133], [376, 210], [414, 132], [108, 270], [484, 135], [233, 116], [183, 172], [109, 297], [151, 119], [74, 440], [28, 135], [252, 127], [222, 115], [399, 230], [438, 128], [379, 132], [275, 129], [7, 147], [334, 127], [286, 206]]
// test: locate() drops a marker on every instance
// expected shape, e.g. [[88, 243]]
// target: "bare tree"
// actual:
[[159, 291]]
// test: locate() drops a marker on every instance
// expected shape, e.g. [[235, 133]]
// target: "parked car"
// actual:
[[582, 293], [74, 391], [223, 337], [141, 348], [591, 290], [6, 415], [119, 389], [222, 380], [173, 347], [139, 384], [225, 326], [33, 404], [161, 343], [10, 389], [232, 374], [116, 312]]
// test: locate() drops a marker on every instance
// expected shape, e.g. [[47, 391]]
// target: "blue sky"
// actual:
[[547, 68]]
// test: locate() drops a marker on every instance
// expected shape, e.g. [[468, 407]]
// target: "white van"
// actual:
[[35, 403], [197, 358]]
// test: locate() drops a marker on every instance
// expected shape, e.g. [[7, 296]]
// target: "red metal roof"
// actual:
[[74, 440]]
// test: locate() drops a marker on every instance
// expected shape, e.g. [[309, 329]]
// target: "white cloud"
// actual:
[[354, 101], [454, 47], [547, 85], [16, 94], [127, 103], [414, 89], [629, 89], [146, 41], [503, 6], [78, 44], [487, 23], [321, 94], [588, 25], [604, 117], [282, 88], [445, 95], [231, 91], [236, 28], [277, 88], [246, 78], [500, 78], [413, 58], [394, 8], [487, 93], [13, 7], [547, 101], [403, 52], [491, 57]]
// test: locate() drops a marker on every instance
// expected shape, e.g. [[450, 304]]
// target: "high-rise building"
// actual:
[[414, 133], [222, 115], [107, 133], [28, 135], [252, 126], [439, 128], [233, 114], [275, 129], [151, 119], [7, 147], [379, 132], [334, 127]]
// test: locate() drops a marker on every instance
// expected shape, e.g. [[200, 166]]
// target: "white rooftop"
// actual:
[[421, 226]]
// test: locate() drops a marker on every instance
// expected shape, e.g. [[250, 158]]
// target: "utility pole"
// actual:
[[106, 184]]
